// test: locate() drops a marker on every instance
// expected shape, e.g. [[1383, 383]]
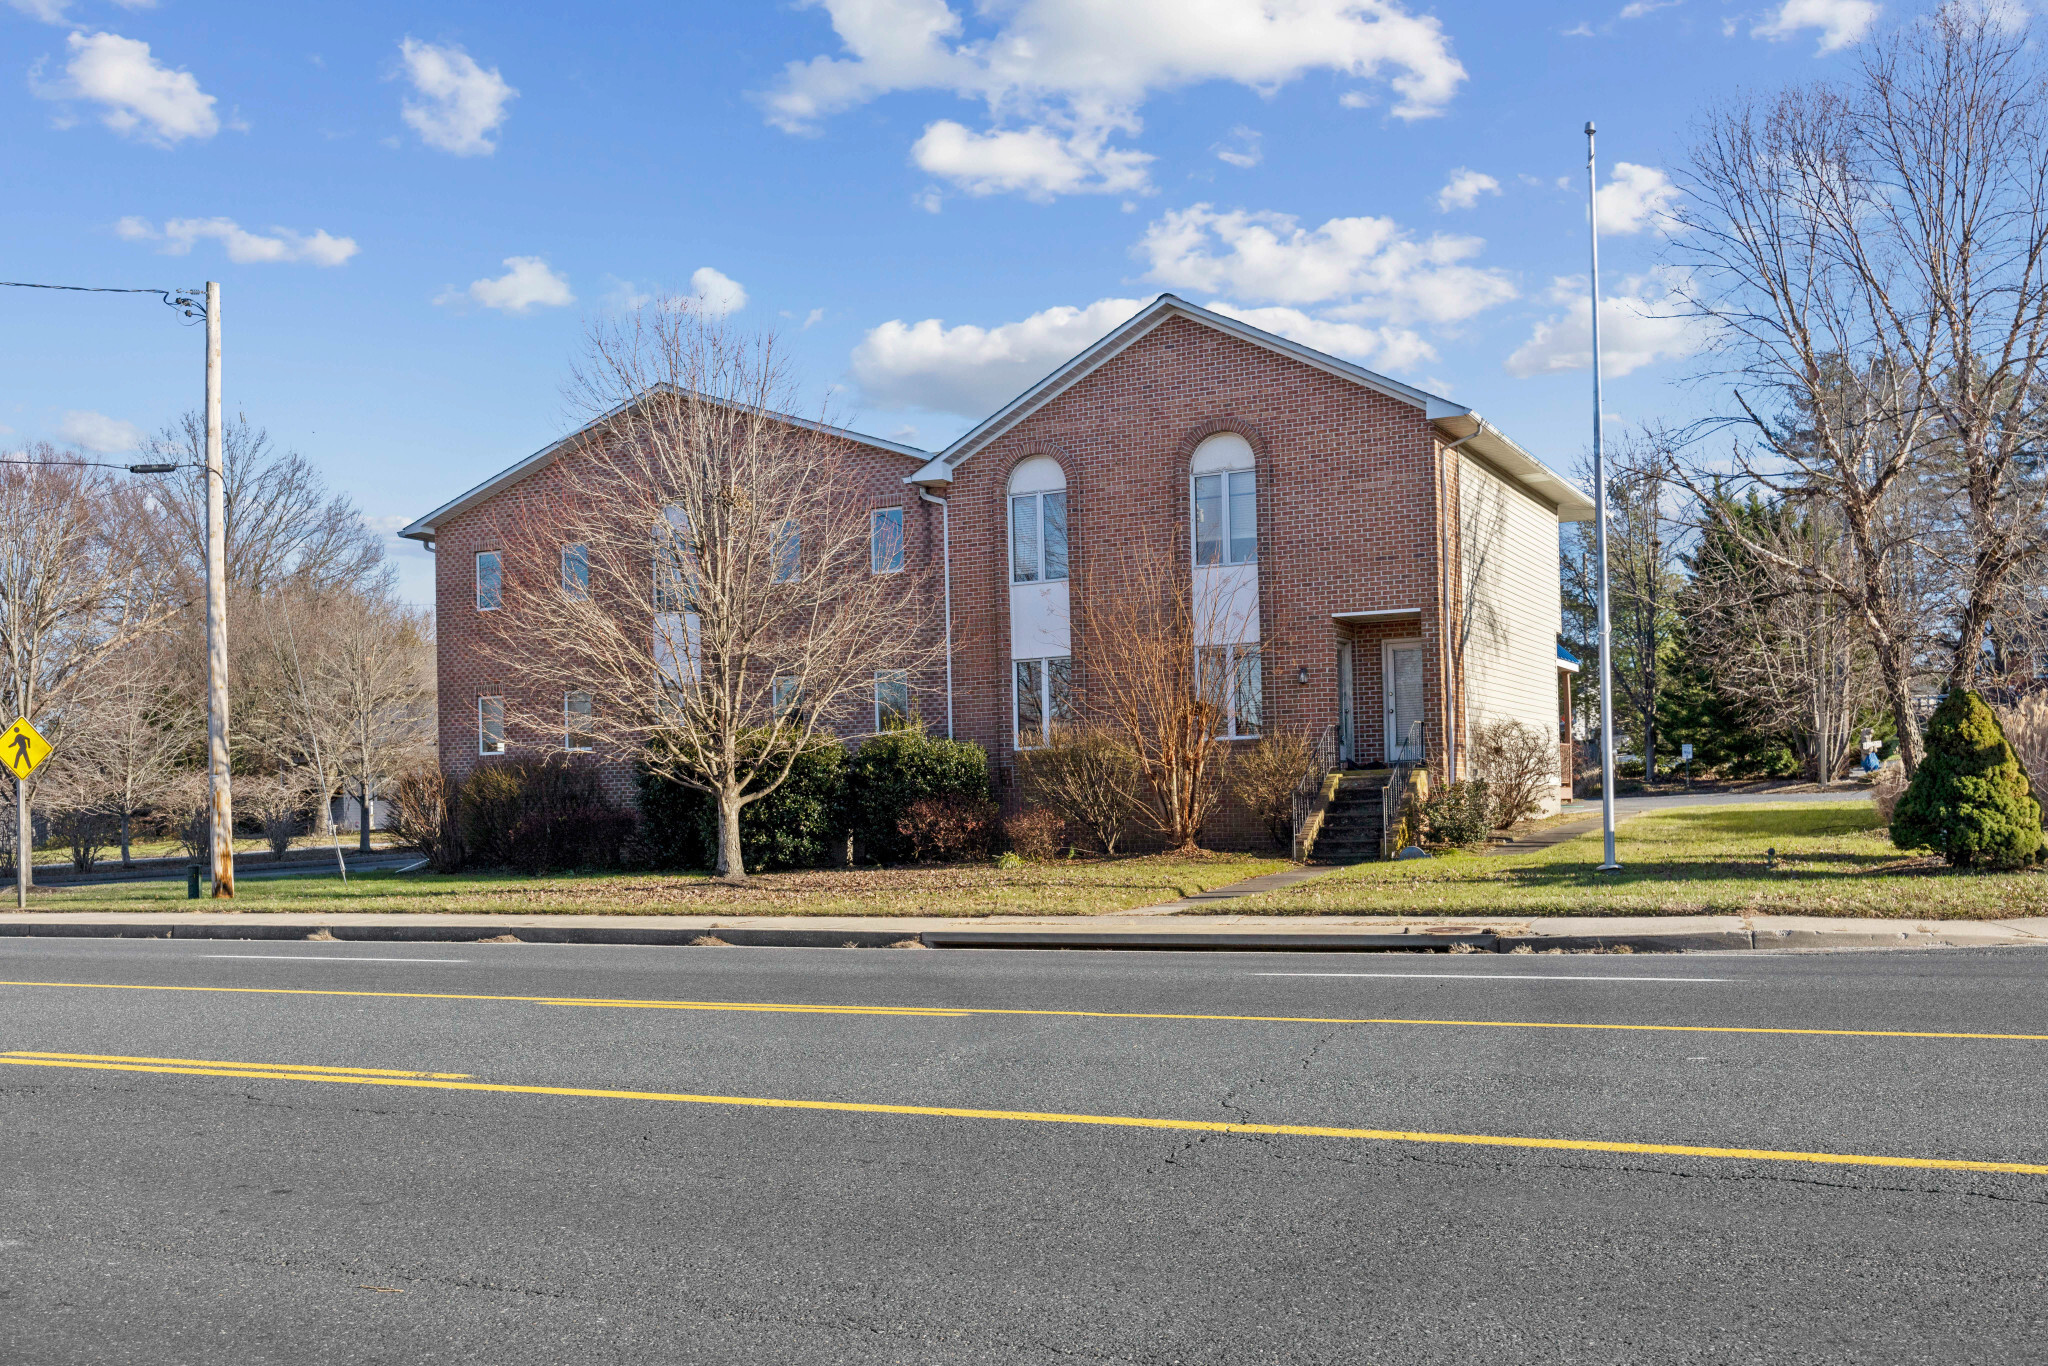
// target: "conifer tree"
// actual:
[[1970, 797]]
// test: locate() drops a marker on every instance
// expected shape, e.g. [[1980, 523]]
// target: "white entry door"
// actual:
[[1347, 743], [1401, 665]]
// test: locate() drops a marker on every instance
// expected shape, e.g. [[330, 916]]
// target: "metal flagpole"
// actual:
[[1600, 528]]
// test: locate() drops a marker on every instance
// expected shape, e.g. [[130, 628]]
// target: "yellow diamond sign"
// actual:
[[23, 747]]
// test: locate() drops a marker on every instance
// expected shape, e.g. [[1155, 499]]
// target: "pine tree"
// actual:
[[1970, 797]]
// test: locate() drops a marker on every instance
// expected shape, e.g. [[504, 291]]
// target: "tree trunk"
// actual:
[[731, 861], [126, 860], [1901, 705], [366, 792]]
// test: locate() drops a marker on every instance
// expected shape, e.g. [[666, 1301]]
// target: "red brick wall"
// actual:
[[466, 671], [1355, 495], [1348, 518]]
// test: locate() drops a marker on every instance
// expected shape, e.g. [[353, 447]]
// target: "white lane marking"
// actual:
[[331, 958], [1498, 976]]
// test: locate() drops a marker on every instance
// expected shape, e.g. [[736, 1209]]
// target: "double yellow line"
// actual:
[[456, 1081]]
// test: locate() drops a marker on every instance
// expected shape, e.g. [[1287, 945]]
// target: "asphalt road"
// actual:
[[182, 1186]]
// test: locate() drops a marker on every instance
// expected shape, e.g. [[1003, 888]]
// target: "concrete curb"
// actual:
[[1245, 933]]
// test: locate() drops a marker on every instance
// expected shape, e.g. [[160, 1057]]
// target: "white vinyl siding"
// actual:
[[1512, 604]]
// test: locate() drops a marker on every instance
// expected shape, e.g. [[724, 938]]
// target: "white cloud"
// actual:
[[138, 97], [243, 247], [49, 11], [1841, 22], [1636, 9], [1035, 162], [463, 103], [813, 318], [1245, 152], [1463, 189], [98, 433], [716, 294], [527, 283], [972, 370], [1071, 76], [1361, 267], [1582, 29], [1645, 322], [1387, 348], [1634, 198]]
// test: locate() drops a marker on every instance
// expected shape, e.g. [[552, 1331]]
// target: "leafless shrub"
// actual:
[[1088, 779], [1887, 787], [1518, 764], [1034, 834], [949, 829], [423, 816], [1264, 776]]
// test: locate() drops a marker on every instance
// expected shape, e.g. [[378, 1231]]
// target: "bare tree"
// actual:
[[1149, 674], [701, 585], [131, 735], [80, 581], [283, 524], [1875, 260], [373, 673]]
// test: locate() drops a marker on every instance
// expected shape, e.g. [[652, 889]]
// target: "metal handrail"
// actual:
[[1322, 758]]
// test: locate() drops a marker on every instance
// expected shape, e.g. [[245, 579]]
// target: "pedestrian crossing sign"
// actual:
[[23, 747]]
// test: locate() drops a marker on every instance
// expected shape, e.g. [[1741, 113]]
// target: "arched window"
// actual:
[[1038, 521], [1224, 495]]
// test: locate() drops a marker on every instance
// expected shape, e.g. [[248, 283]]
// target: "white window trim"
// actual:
[[1194, 524], [568, 726], [1037, 497], [1230, 659], [499, 557], [1046, 719], [481, 751], [875, 516]]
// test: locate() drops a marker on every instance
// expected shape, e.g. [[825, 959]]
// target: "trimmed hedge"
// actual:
[[891, 772]]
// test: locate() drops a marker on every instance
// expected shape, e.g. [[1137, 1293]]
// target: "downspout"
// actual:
[[946, 571], [1443, 600]]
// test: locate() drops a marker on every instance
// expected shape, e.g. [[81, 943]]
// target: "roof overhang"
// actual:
[[1466, 429], [1383, 614], [424, 529]]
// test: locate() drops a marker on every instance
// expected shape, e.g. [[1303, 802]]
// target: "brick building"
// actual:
[[1375, 559]]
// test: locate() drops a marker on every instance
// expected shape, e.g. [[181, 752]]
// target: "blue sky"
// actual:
[[415, 211]]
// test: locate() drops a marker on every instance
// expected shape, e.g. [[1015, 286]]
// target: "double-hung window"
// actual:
[[576, 571], [885, 540], [1038, 537], [576, 721], [490, 581], [785, 695], [1226, 517], [892, 700], [490, 725], [1043, 697], [1231, 682]]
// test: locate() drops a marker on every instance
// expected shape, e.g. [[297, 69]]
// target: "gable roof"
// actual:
[[424, 528], [1455, 422]]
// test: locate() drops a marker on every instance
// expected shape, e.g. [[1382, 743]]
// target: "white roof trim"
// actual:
[[1368, 616], [423, 529], [1533, 474]]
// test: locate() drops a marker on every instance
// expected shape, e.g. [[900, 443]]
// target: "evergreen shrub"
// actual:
[[796, 826], [1969, 798], [891, 771]]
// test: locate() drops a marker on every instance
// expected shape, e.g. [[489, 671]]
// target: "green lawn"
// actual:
[[1079, 887], [1833, 859]]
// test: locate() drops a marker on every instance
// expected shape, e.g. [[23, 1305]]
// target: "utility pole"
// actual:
[[1600, 528], [221, 802]]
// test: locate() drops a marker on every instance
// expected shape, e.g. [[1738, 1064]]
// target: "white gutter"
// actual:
[[946, 569]]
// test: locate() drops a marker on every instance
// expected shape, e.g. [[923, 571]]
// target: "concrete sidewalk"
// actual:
[[1503, 934]]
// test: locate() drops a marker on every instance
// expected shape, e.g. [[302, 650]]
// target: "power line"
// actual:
[[182, 300]]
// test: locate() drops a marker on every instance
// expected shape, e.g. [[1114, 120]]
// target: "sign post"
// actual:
[[1685, 752], [23, 748]]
